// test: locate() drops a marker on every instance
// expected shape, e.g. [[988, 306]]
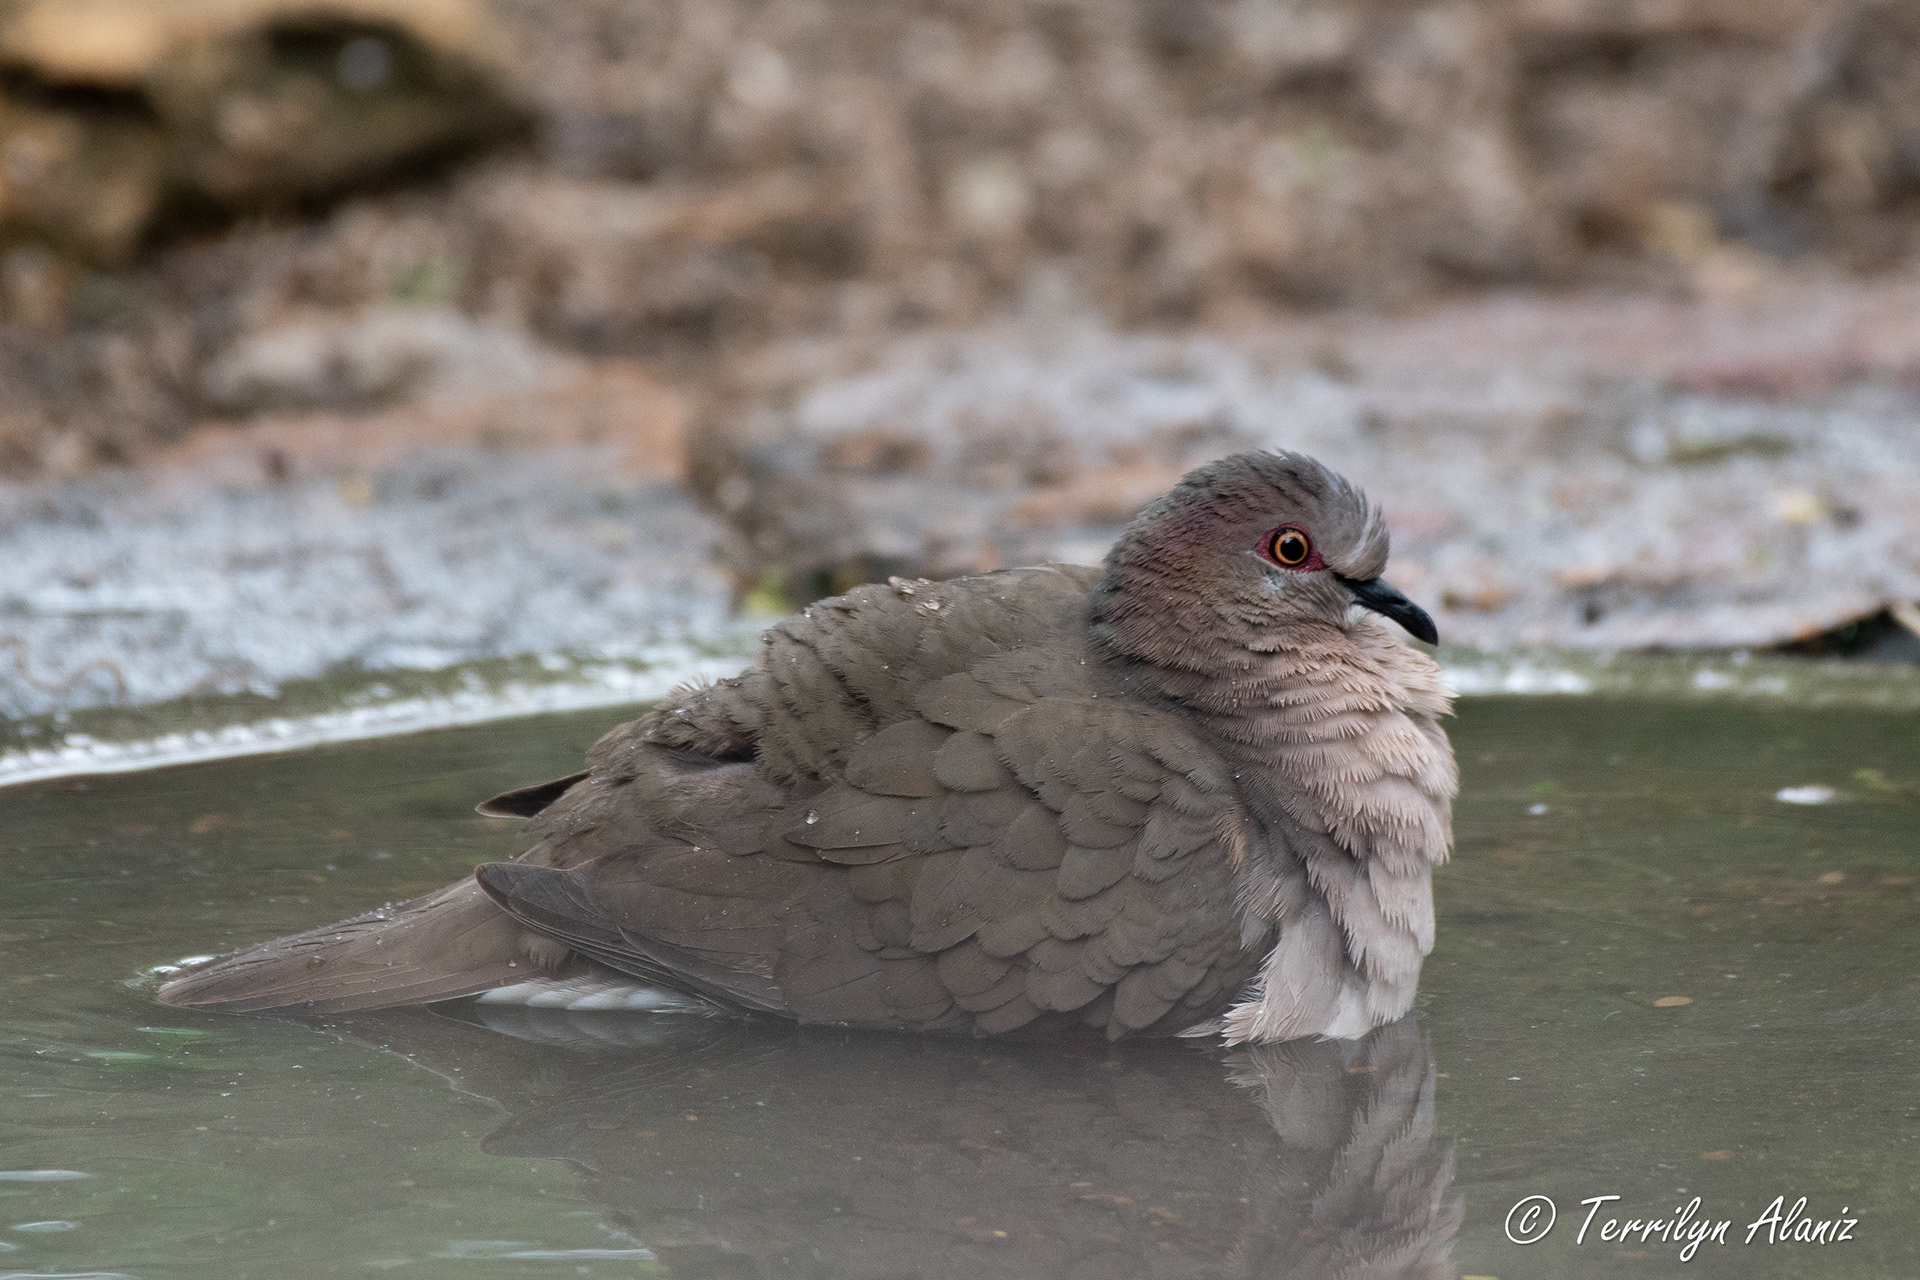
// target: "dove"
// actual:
[[1198, 790]]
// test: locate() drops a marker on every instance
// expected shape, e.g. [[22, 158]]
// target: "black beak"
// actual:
[[1376, 595]]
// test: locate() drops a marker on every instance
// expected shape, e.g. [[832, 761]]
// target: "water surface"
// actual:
[[1616, 857]]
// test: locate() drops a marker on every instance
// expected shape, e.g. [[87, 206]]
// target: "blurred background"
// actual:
[[345, 342]]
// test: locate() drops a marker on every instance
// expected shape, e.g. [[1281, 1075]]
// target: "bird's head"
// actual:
[[1252, 542]]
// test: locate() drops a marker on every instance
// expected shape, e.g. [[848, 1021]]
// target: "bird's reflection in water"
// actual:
[[738, 1150]]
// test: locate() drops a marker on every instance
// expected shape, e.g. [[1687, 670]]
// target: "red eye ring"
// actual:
[[1291, 548]]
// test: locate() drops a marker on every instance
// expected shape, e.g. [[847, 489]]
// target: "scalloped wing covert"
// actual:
[[1003, 847]]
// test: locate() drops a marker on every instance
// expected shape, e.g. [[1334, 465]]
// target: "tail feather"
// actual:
[[452, 943]]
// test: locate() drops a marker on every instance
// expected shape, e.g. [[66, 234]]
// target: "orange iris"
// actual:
[[1290, 548]]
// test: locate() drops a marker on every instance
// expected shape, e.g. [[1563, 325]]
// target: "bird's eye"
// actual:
[[1290, 548]]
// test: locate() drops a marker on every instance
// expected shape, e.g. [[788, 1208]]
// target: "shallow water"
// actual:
[[1613, 856]]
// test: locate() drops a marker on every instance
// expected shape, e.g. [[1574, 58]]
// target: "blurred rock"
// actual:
[[371, 358], [750, 163], [515, 501], [636, 425], [76, 402], [1555, 472], [1188, 160], [123, 594], [119, 118], [704, 176]]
